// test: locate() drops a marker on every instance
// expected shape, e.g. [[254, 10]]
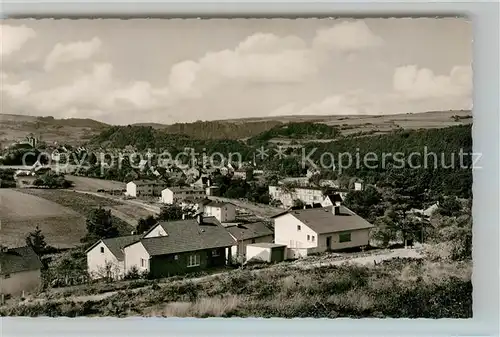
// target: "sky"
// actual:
[[183, 70]]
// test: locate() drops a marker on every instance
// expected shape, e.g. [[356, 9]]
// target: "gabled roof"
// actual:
[[16, 260], [187, 236], [249, 230], [334, 197], [115, 245], [322, 220]]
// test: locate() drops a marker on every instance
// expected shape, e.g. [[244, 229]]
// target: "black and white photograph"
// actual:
[[274, 168]]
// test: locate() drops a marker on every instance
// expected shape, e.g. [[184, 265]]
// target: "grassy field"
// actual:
[[20, 213], [396, 288], [93, 184], [60, 214]]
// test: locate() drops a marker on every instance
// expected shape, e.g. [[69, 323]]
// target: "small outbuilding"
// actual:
[[266, 252]]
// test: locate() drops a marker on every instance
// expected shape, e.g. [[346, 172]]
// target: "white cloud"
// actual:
[[12, 38], [262, 58], [13, 90], [347, 36], [80, 50], [97, 91], [418, 84]]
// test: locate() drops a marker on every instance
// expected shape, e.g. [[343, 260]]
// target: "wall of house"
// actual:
[[133, 255], [258, 253], [167, 196], [16, 283], [229, 213], [286, 233], [176, 264], [131, 189], [156, 232], [241, 245], [359, 238], [96, 263]]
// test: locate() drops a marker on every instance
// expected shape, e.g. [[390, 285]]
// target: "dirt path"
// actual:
[[150, 208], [257, 209]]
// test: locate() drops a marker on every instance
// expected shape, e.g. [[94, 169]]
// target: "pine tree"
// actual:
[[36, 240]]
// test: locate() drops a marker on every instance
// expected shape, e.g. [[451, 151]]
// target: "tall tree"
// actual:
[[170, 213], [100, 225], [36, 240], [145, 224]]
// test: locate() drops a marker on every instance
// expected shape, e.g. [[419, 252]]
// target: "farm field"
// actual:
[[94, 184], [82, 204], [20, 213]]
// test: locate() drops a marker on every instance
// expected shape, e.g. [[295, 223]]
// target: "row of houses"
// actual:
[[176, 247]]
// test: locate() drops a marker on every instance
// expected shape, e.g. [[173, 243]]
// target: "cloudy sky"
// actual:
[[128, 71]]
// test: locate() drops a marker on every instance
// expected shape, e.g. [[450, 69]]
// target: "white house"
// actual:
[[20, 270], [177, 247], [308, 195], [320, 229], [105, 258], [144, 188], [240, 174], [222, 211], [358, 186], [246, 234], [172, 195]]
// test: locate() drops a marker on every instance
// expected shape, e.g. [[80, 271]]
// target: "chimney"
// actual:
[[199, 218], [305, 206], [336, 210]]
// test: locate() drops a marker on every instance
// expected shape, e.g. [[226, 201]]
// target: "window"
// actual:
[[194, 260], [102, 250], [176, 257], [308, 237], [215, 252], [313, 238], [6, 276], [143, 263], [298, 227], [344, 237]]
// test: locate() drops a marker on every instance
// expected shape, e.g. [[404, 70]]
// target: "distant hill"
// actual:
[[77, 131], [71, 131]]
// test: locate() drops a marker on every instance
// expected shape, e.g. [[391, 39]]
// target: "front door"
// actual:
[[328, 243]]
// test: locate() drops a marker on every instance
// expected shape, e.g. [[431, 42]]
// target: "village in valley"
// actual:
[[305, 168], [75, 223]]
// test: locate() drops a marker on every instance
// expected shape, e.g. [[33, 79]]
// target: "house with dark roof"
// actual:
[[179, 247], [20, 270], [222, 211], [317, 230], [105, 258], [248, 233]]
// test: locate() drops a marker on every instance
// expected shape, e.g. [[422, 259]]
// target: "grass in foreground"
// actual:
[[397, 288]]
